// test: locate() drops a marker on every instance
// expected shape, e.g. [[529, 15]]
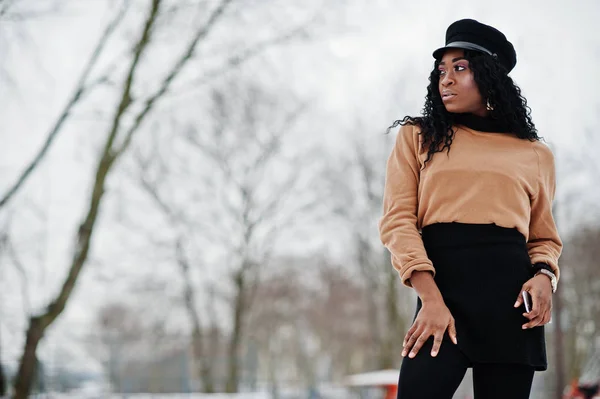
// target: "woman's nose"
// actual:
[[447, 80]]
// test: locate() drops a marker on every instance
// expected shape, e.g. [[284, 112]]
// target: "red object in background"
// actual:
[[385, 379], [391, 391], [574, 392]]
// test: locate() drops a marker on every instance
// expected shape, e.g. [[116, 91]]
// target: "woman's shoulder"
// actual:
[[543, 151], [410, 126], [410, 133]]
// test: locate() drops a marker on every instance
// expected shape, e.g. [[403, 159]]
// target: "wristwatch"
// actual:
[[551, 276]]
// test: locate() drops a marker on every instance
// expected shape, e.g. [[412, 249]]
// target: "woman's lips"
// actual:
[[447, 97]]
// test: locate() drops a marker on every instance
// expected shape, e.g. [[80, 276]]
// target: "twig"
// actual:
[[166, 83], [80, 90]]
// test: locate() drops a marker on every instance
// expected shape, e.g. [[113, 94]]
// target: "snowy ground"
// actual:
[[175, 396], [329, 394]]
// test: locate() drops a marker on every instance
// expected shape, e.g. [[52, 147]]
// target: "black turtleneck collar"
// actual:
[[481, 123]]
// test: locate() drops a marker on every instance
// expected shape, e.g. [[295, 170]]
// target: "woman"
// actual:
[[468, 222]]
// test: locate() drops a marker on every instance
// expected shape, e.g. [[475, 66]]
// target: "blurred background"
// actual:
[[190, 190]]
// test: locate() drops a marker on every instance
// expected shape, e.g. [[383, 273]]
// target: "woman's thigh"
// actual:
[[500, 381], [427, 377]]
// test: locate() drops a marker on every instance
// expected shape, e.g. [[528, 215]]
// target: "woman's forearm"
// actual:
[[425, 286]]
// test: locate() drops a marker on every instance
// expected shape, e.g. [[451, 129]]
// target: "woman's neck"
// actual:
[[481, 123]]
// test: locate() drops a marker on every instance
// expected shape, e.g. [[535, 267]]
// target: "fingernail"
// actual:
[[516, 304], [524, 327], [403, 353], [433, 353], [412, 354]]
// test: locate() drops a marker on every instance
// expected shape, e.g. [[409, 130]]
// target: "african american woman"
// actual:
[[467, 218]]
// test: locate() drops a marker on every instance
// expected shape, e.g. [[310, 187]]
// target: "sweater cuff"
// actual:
[[407, 272], [540, 265], [537, 259]]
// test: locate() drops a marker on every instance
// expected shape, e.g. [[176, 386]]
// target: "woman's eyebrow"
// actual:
[[454, 60]]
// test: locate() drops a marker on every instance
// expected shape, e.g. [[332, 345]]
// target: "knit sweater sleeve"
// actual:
[[544, 244], [398, 226]]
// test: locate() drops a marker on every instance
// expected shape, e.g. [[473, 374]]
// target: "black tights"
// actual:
[[426, 377]]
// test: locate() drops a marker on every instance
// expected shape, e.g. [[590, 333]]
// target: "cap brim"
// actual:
[[437, 54]]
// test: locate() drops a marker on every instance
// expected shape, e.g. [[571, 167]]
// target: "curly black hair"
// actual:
[[509, 106]]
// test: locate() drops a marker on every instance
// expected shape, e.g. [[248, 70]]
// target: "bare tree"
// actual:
[[279, 302], [374, 260], [310, 314], [118, 327], [181, 225], [356, 188], [129, 115], [242, 204], [111, 152], [20, 10], [576, 204], [258, 204], [3, 382], [86, 82], [83, 86], [580, 288]]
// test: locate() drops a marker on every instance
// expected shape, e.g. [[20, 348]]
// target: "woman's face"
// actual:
[[458, 89]]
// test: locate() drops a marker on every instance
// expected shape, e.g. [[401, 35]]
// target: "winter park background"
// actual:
[[190, 190]]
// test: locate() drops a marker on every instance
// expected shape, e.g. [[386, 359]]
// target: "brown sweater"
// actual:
[[486, 178]]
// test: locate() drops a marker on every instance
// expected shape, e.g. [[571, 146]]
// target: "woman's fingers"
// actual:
[[409, 333], [538, 314], [452, 331], [418, 339], [437, 342], [418, 344], [545, 318], [519, 298], [410, 342], [533, 322], [433, 319]]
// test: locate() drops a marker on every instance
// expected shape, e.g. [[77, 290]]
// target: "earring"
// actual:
[[488, 106]]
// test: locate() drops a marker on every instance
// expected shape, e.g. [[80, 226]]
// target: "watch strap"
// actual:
[[551, 276]]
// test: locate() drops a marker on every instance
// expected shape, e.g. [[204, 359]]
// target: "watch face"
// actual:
[[552, 278]]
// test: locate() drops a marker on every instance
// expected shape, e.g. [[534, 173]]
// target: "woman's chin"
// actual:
[[454, 108]]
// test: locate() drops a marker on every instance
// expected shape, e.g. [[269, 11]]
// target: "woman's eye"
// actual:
[[442, 72], [458, 68]]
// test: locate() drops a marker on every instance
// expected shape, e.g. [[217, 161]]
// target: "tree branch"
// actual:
[[5, 6], [166, 83], [19, 266], [80, 89], [239, 59]]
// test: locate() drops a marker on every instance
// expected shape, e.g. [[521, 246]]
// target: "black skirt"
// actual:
[[480, 269]]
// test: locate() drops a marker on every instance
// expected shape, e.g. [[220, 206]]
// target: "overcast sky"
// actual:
[[372, 71]]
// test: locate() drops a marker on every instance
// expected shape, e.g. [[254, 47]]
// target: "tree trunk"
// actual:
[[395, 324], [231, 386], [2, 381], [27, 366], [203, 370], [559, 360], [3, 384], [38, 324], [559, 344], [374, 314], [200, 358]]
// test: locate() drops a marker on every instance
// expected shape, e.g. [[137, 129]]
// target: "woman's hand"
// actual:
[[433, 319], [540, 289]]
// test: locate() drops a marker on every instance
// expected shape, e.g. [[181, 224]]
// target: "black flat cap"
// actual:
[[469, 34]]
